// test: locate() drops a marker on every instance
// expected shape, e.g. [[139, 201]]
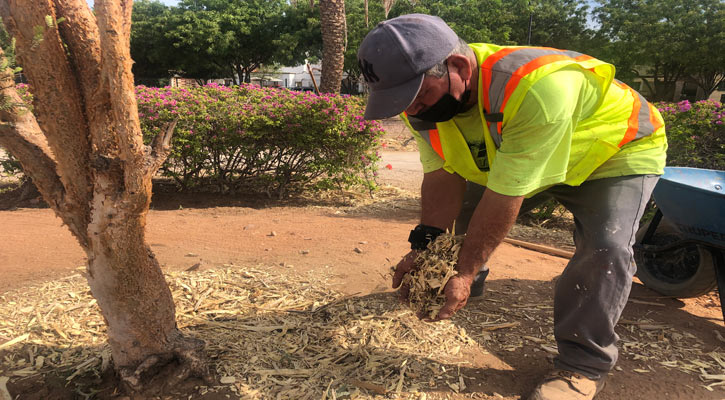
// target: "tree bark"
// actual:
[[708, 80], [84, 150], [387, 5], [59, 115], [334, 33], [367, 13]]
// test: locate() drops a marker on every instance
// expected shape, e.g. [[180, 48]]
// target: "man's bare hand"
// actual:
[[457, 291], [405, 265]]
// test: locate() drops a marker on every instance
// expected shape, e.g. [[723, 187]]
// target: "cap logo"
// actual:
[[367, 70]]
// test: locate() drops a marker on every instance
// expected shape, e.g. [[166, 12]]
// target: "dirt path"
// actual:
[[301, 238], [356, 247]]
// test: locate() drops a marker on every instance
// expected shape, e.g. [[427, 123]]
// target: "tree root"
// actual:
[[159, 372]]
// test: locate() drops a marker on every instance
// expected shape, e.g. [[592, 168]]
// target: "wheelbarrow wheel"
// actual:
[[687, 271]]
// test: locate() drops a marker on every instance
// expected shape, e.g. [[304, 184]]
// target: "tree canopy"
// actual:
[[152, 52], [560, 24], [221, 38], [669, 40], [556, 23]]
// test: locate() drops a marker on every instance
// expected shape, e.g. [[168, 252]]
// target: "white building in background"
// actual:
[[293, 78], [289, 77]]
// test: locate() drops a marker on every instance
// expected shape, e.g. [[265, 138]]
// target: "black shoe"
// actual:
[[478, 283]]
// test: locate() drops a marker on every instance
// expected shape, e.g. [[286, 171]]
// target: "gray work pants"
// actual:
[[593, 289]]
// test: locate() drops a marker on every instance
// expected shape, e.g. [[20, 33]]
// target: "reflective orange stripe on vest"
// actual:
[[429, 132], [435, 142], [642, 121], [503, 70]]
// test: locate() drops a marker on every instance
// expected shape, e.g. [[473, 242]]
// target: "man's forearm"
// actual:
[[490, 223], [441, 197]]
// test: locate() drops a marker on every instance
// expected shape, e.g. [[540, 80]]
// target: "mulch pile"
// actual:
[[283, 336]]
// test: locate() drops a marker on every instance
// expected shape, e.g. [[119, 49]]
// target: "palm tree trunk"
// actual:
[[334, 35]]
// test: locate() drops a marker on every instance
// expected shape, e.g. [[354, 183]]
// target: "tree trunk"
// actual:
[[387, 5], [84, 150], [334, 34], [708, 81], [367, 13], [126, 280], [664, 91]]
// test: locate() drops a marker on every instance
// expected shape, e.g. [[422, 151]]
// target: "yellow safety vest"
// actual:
[[506, 73]]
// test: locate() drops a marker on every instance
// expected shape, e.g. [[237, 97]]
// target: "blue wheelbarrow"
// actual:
[[680, 252]]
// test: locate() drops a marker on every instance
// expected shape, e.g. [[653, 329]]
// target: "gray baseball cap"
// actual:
[[394, 56]]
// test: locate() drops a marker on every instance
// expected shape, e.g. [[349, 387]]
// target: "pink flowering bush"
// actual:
[[24, 93], [695, 133], [274, 140], [271, 139]]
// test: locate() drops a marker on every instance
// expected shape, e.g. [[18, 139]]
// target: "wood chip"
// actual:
[[434, 267], [534, 339], [399, 386], [549, 349], [285, 372], [291, 336], [377, 389], [4, 394], [649, 303], [14, 341], [495, 327]]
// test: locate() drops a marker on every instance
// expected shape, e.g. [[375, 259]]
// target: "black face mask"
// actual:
[[447, 107]]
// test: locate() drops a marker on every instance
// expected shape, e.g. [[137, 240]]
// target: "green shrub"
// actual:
[[10, 166], [276, 140], [695, 134]]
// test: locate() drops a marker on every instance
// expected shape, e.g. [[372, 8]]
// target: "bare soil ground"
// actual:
[[354, 240]]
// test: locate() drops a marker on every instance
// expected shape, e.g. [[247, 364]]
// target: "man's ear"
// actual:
[[461, 64]]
